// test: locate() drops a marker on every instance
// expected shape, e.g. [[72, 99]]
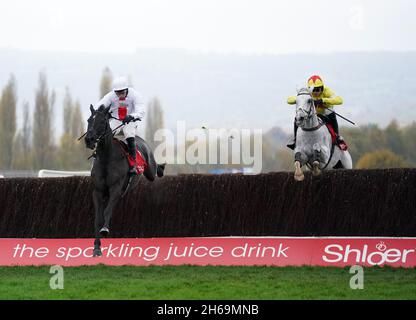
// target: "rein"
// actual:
[[105, 134], [313, 128], [97, 141], [309, 114]]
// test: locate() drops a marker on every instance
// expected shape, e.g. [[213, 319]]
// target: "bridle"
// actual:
[[104, 134], [309, 113]]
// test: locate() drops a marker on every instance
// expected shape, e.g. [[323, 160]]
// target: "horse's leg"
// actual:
[[299, 176], [98, 200], [115, 193], [161, 170], [316, 170], [346, 160]]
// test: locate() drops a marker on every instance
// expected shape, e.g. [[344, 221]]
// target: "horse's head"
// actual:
[[97, 125], [305, 108]]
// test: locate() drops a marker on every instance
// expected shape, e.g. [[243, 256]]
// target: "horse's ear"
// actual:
[[300, 88], [107, 109], [92, 108]]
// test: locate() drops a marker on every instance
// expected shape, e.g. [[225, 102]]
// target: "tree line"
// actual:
[[33, 146], [370, 146], [373, 147]]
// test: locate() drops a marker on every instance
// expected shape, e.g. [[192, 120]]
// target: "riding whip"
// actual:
[[339, 115]]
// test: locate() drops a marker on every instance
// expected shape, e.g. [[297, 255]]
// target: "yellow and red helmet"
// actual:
[[315, 82]]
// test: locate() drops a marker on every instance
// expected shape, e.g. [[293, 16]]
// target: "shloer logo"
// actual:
[[337, 253], [381, 246]]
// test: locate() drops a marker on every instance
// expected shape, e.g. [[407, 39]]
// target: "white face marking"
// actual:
[[303, 103]]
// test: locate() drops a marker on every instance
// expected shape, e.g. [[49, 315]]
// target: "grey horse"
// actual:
[[110, 171], [314, 145]]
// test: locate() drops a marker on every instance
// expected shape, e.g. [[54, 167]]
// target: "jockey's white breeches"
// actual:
[[128, 130]]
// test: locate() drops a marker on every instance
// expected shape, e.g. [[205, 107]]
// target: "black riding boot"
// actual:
[[333, 121], [131, 144], [292, 142]]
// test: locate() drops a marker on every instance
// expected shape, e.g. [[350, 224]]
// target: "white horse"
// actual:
[[314, 145]]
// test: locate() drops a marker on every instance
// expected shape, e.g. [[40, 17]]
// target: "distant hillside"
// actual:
[[276, 137], [230, 91]]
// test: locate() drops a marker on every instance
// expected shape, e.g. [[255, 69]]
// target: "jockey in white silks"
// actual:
[[126, 106]]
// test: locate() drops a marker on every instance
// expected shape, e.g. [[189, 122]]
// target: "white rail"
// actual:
[[55, 173]]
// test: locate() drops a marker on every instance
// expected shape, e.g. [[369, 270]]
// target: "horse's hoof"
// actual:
[[299, 177], [104, 232], [160, 170], [97, 253], [316, 170]]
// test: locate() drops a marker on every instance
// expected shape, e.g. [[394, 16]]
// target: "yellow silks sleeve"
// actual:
[[329, 97], [291, 100]]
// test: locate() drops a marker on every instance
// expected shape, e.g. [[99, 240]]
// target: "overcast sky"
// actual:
[[220, 26]]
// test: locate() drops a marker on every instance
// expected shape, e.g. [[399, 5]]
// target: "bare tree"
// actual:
[[77, 122], [67, 110], [43, 147], [106, 82], [22, 156], [72, 153], [7, 123], [26, 130]]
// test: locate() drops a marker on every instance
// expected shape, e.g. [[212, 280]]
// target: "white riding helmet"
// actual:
[[120, 83]]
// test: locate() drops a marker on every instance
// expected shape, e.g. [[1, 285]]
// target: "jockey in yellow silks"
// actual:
[[324, 99]]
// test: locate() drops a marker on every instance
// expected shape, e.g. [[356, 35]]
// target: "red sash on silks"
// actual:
[[122, 109]]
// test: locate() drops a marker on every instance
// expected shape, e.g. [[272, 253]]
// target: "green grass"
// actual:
[[193, 282]]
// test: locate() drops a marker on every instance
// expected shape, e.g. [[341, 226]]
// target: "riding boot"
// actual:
[[341, 143], [292, 142], [131, 144], [339, 140]]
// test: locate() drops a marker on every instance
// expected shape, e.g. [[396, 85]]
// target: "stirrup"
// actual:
[[133, 171], [341, 143], [343, 146]]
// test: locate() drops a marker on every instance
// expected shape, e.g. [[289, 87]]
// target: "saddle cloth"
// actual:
[[332, 132], [140, 164], [343, 146]]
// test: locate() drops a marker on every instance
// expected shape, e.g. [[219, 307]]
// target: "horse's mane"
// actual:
[[303, 90], [101, 108]]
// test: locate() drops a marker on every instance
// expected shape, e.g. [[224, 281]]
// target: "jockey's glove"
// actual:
[[127, 119], [318, 102]]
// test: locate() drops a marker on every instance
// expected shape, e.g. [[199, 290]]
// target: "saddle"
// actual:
[[140, 164]]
